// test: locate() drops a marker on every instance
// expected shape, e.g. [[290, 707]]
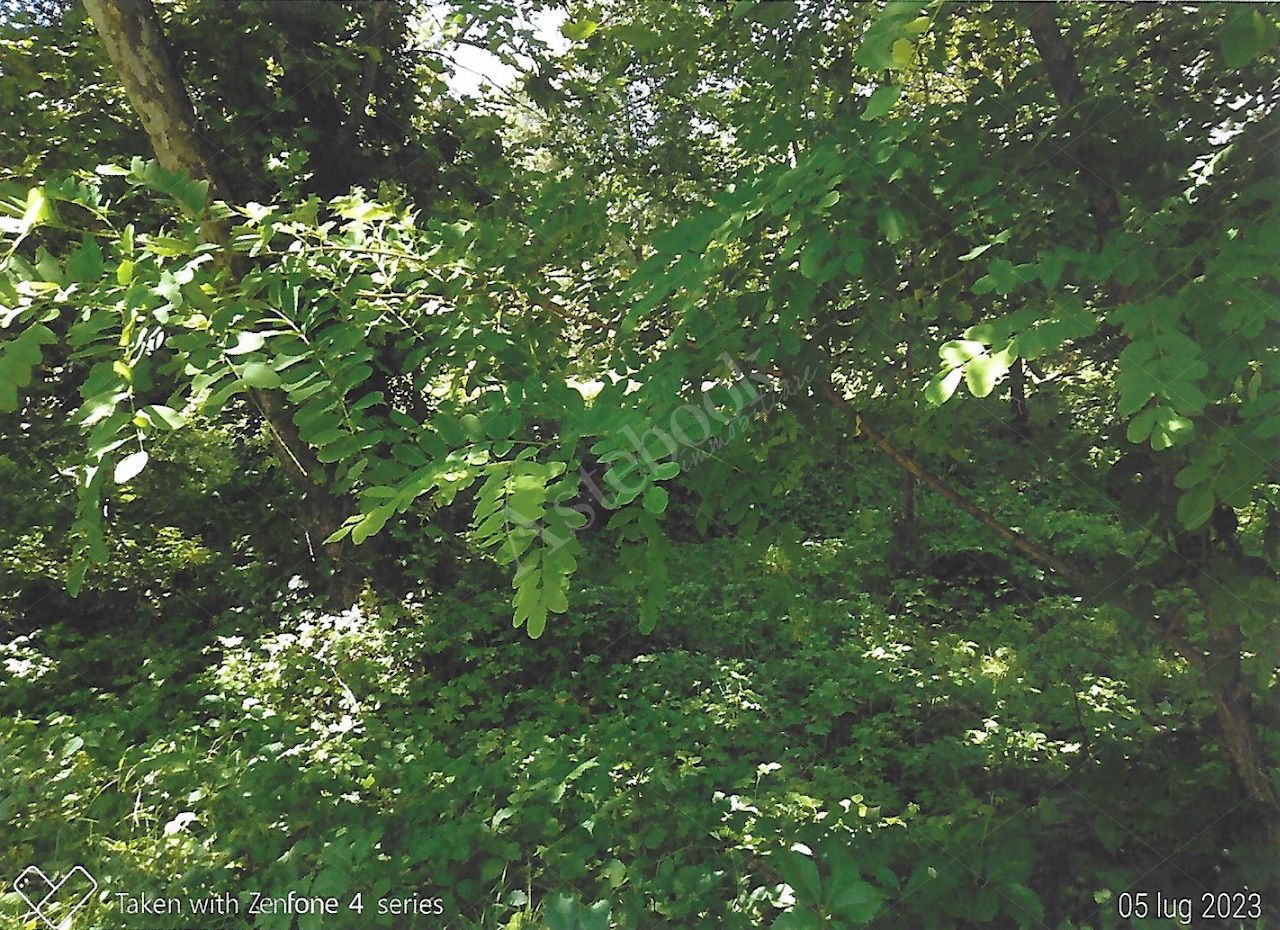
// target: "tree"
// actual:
[[1132, 314], [1081, 235], [1007, 190]]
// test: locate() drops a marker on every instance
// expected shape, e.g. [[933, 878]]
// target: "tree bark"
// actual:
[[908, 524], [133, 37], [1019, 418], [1068, 88], [134, 40]]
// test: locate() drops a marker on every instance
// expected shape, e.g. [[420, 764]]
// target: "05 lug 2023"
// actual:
[[1239, 905]]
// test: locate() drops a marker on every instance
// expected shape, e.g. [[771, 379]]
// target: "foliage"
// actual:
[[744, 768], [871, 410]]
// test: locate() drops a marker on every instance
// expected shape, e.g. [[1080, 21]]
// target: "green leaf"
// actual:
[[975, 252], [39, 210], [259, 375], [578, 30], [372, 523], [330, 882], [1050, 269], [1169, 428], [875, 53], [857, 901], [247, 342], [814, 251], [942, 386], [168, 246], [984, 285], [959, 352], [655, 499], [1108, 832], [855, 256], [892, 223], [1196, 506], [73, 746], [998, 239], [595, 917], [1140, 427], [798, 920], [18, 360], [903, 53], [1136, 386], [982, 373], [1246, 35], [162, 417], [357, 208], [560, 911], [1025, 907], [666, 471], [130, 466], [1184, 396], [882, 101], [801, 873], [85, 264]]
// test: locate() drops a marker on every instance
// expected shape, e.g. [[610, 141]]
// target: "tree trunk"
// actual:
[[133, 37], [907, 530], [1239, 734], [134, 40], [1069, 90], [1019, 421]]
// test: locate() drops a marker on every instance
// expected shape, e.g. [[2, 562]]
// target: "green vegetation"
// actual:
[[794, 465]]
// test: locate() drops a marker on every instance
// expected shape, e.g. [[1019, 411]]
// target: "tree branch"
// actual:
[[1068, 87], [1031, 550], [133, 37], [1168, 628]]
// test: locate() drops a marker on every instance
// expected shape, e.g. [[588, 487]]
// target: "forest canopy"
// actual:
[[624, 465]]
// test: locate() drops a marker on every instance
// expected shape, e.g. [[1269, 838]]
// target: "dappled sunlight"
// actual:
[[638, 466]]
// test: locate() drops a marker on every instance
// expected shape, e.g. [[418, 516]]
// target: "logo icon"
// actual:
[[55, 902]]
